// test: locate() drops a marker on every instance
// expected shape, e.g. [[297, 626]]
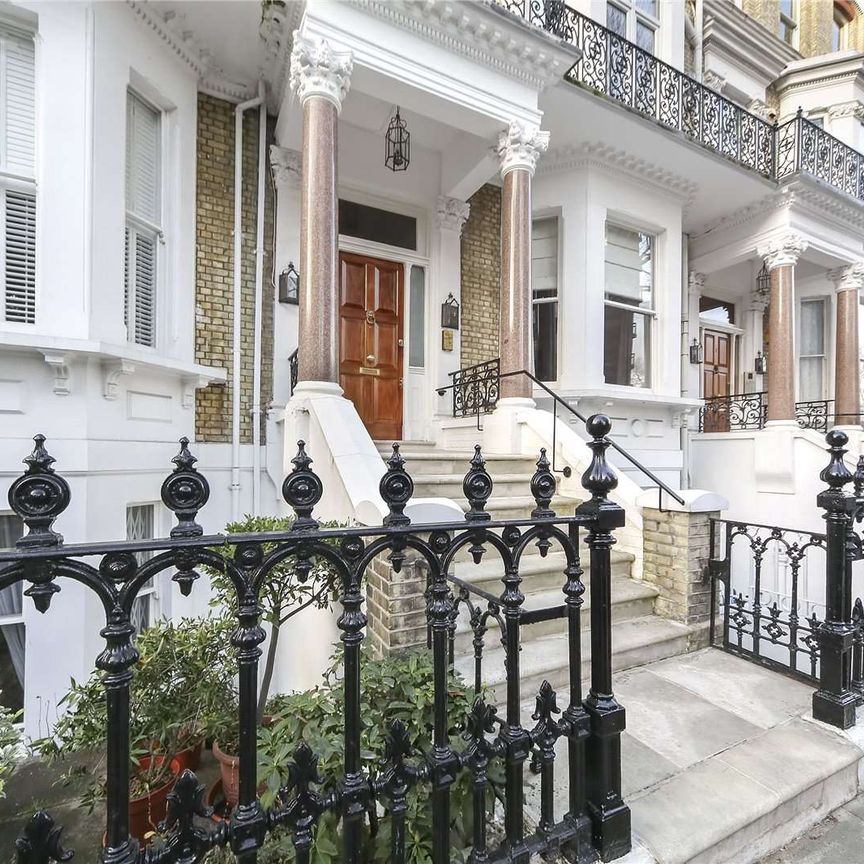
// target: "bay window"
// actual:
[[17, 177], [628, 306]]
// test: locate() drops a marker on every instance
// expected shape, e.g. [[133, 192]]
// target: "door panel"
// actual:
[[716, 377], [370, 359]]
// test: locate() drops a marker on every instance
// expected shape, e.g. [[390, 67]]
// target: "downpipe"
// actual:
[[259, 305], [237, 300]]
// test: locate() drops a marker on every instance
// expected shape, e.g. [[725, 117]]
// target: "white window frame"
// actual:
[[18, 618], [635, 16], [149, 593], [790, 25], [137, 224], [538, 301], [842, 21], [649, 313], [16, 181], [824, 355]]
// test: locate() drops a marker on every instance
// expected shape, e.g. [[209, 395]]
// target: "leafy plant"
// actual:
[[10, 745], [289, 588]]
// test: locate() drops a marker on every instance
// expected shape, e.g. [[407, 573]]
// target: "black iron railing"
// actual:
[[765, 615], [464, 384], [815, 414], [596, 817], [750, 411], [627, 74], [293, 369]]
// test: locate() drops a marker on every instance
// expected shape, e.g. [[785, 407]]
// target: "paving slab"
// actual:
[[641, 766], [678, 724], [760, 696]]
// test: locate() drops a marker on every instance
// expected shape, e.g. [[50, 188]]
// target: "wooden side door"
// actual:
[[371, 318], [716, 377]]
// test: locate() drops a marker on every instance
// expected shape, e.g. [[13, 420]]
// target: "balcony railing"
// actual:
[[622, 71], [750, 410]]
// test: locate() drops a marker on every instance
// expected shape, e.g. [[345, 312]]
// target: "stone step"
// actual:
[[630, 599], [634, 643], [538, 573], [450, 485], [520, 506], [423, 463]]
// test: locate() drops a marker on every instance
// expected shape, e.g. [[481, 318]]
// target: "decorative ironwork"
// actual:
[[476, 389], [814, 414], [293, 368], [765, 618], [596, 816], [397, 144], [724, 413]]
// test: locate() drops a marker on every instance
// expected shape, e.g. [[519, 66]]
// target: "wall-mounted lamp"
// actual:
[[397, 151], [760, 364], [763, 283], [697, 355], [289, 285], [450, 313]]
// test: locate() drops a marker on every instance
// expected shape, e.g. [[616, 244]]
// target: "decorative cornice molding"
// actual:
[[287, 166], [318, 70], [849, 278], [485, 33], [451, 213], [604, 156], [520, 146], [695, 282], [761, 109], [713, 80], [112, 371], [783, 251], [846, 109], [59, 362], [278, 23], [191, 383]]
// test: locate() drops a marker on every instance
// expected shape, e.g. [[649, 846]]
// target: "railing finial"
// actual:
[[543, 487], [835, 473], [40, 843], [39, 496], [477, 487], [599, 479], [396, 488], [302, 488], [185, 491]]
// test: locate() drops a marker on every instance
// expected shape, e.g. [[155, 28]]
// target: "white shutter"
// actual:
[[17, 89], [20, 257], [142, 160], [145, 289]]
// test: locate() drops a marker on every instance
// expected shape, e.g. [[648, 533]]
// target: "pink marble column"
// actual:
[[847, 407], [518, 148], [320, 77], [780, 257]]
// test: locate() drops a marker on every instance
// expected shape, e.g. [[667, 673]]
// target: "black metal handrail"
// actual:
[[293, 367], [487, 405], [116, 573]]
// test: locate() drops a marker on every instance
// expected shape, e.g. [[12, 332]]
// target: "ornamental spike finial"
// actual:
[[40, 843], [599, 479], [396, 488], [302, 489], [477, 487], [835, 473], [185, 491], [543, 488]]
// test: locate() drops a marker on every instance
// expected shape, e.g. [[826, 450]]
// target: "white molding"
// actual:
[[451, 213], [59, 363], [847, 109], [782, 251], [112, 371], [319, 70], [519, 147], [599, 155], [191, 383], [287, 167]]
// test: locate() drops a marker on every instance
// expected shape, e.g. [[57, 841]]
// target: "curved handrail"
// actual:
[[558, 400]]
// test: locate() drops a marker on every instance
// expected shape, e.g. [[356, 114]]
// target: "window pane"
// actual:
[[786, 8], [546, 341], [380, 226], [417, 324], [139, 526], [645, 37], [626, 348], [812, 328], [649, 6], [811, 378], [12, 644], [616, 19], [629, 266]]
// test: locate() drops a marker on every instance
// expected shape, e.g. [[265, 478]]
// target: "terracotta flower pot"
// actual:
[[147, 812], [190, 757], [230, 767]]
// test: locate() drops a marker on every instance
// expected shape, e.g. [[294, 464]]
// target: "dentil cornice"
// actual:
[[849, 278], [782, 251], [596, 154], [318, 70], [520, 146], [451, 213], [287, 166]]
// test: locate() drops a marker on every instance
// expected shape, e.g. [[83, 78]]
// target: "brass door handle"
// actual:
[[370, 359]]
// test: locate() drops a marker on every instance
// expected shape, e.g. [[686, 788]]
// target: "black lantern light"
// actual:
[[696, 352], [450, 313], [398, 144], [760, 365], [289, 285], [763, 282]]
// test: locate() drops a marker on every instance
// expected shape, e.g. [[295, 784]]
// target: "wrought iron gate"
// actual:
[[596, 820]]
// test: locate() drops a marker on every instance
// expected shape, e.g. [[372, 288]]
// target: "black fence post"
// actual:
[[610, 816], [834, 702]]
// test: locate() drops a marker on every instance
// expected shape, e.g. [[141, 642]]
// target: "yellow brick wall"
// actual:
[[815, 18], [481, 276], [215, 263], [766, 12]]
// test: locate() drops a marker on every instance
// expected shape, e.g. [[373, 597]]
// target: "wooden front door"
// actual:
[[716, 378], [371, 310]]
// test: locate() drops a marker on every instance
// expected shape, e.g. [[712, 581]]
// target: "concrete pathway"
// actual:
[[839, 839], [720, 762]]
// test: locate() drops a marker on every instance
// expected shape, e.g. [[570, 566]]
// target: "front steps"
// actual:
[[639, 635]]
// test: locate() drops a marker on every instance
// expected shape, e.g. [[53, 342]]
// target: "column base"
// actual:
[[779, 425], [305, 389], [836, 710]]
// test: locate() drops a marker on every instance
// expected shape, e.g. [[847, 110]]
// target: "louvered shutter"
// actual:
[[17, 158], [142, 206]]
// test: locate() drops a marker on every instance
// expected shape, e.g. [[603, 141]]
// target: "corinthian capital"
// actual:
[[782, 251], [520, 146], [318, 70], [287, 166], [451, 213], [850, 278]]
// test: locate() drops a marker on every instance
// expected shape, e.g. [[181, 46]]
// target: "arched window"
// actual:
[[844, 12]]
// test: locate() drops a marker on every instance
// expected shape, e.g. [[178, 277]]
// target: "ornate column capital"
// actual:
[[849, 278], [318, 70], [287, 167], [696, 282], [451, 213], [782, 251], [520, 146]]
